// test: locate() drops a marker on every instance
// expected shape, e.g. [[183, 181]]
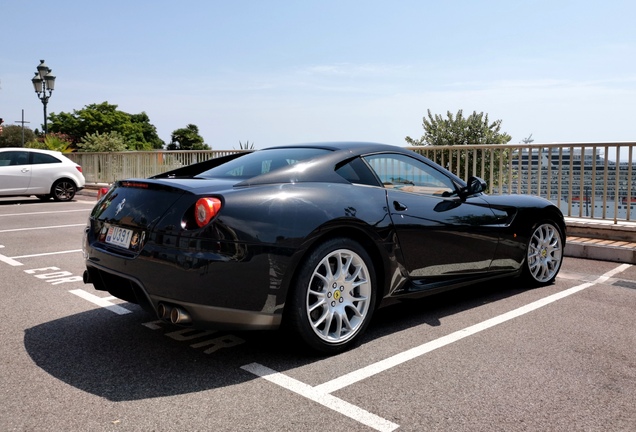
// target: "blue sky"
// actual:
[[282, 72]]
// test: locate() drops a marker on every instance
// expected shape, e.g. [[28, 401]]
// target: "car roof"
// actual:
[[33, 150], [323, 171], [318, 169], [354, 147]]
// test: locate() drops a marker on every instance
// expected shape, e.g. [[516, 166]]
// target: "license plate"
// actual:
[[119, 236]]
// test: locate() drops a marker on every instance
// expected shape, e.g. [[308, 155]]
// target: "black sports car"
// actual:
[[314, 237]]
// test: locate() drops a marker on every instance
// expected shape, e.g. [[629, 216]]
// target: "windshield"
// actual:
[[261, 162]]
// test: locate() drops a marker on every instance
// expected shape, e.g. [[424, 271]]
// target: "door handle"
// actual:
[[25, 170], [398, 206]]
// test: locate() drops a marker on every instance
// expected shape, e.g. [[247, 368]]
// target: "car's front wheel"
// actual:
[[63, 190], [333, 299], [544, 254]]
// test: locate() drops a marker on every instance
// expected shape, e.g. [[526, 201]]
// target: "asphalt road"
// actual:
[[489, 358]]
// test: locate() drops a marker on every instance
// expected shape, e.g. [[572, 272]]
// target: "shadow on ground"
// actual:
[[118, 358]]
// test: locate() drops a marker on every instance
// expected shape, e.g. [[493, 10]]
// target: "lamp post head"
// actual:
[[37, 83], [49, 79], [43, 69]]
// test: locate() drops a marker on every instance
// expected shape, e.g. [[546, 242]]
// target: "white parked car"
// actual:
[[43, 173]]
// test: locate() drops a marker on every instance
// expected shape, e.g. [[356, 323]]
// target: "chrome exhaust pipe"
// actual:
[[164, 311], [179, 316]]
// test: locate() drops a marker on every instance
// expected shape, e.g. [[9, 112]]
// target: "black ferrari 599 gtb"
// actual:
[[314, 237]]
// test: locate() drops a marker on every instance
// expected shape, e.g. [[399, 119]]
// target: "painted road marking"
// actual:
[[188, 335], [343, 407], [320, 392], [41, 228], [101, 301], [46, 253], [44, 213], [10, 261]]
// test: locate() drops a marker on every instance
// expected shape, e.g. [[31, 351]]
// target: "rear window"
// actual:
[[262, 162], [41, 158]]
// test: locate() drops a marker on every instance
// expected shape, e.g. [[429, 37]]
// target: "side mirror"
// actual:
[[475, 185]]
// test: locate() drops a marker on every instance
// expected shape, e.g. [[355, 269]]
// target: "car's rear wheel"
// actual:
[[544, 254], [63, 190], [332, 302]]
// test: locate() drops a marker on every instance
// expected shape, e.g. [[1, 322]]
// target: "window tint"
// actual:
[[356, 171], [41, 158], [261, 162], [14, 158], [410, 175]]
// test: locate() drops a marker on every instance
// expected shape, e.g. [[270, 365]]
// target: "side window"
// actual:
[[5, 158], [410, 175], [357, 172], [14, 158], [41, 158]]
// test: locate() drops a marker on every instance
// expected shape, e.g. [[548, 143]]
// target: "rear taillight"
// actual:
[[205, 209], [79, 168]]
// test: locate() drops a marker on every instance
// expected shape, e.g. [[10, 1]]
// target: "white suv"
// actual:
[[43, 173]]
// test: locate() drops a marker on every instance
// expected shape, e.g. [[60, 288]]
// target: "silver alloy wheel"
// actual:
[[338, 297], [64, 190], [545, 253]]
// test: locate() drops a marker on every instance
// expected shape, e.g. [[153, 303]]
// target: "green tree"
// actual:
[[53, 141], [11, 136], [459, 130], [107, 142], [187, 138], [138, 132]]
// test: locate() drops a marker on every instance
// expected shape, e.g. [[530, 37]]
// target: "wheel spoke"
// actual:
[[544, 253], [338, 295]]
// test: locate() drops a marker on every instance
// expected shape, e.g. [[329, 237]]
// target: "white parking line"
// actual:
[[343, 407], [319, 392], [41, 228], [10, 261], [46, 253], [43, 213], [101, 301]]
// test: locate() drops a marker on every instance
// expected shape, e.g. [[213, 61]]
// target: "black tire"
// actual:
[[333, 297], [63, 190], [544, 254]]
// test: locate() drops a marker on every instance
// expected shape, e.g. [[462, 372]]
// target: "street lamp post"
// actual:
[[43, 81]]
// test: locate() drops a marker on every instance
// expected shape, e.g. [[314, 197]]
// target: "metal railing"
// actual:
[[586, 180], [108, 167]]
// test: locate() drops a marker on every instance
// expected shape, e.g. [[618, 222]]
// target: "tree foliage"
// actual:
[[107, 142], [187, 138], [136, 129], [11, 136], [459, 130], [53, 141]]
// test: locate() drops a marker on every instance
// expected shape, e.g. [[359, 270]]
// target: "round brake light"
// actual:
[[205, 209]]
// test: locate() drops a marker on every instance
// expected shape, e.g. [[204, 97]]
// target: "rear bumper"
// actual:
[[203, 316], [221, 318]]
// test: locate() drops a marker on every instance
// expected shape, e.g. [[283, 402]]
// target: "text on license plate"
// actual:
[[119, 236]]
